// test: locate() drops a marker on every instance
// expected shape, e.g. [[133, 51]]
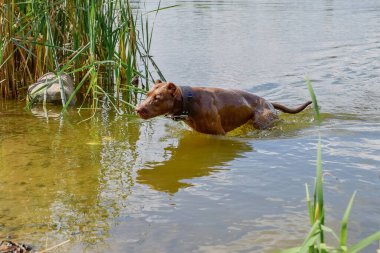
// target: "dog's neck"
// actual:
[[182, 104]]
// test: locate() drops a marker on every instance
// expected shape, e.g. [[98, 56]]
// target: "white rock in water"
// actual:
[[53, 95]]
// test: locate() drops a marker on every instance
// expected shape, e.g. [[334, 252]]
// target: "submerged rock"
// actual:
[[13, 247], [51, 82]]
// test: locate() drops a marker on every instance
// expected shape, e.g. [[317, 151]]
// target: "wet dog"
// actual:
[[211, 110]]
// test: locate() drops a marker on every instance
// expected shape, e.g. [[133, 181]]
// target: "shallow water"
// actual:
[[120, 184]]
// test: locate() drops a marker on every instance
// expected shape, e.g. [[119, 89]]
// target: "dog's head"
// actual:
[[159, 100]]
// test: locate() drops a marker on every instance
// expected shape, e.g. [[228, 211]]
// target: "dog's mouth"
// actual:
[[143, 113]]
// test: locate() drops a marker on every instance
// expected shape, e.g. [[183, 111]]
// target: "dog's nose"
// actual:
[[140, 110]]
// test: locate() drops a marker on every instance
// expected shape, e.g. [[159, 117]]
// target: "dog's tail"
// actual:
[[288, 110]]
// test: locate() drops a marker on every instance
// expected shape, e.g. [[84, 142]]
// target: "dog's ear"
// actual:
[[171, 87], [157, 81]]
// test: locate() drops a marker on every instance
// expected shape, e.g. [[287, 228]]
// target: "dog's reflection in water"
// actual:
[[196, 155]]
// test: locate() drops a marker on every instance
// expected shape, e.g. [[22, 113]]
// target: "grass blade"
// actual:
[[291, 250], [364, 243], [315, 102], [343, 230], [319, 188], [163, 8], [312, 236], [329, 230], [309, 208]]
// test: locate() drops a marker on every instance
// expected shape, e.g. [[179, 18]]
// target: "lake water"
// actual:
[[120, 184]]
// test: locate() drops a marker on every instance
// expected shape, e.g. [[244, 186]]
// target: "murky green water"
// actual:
[[119, 184]]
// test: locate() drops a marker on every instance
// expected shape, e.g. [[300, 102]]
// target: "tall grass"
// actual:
[[314, 241], [103, 44]]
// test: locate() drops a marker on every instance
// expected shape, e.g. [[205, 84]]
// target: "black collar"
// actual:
[[187, 97]]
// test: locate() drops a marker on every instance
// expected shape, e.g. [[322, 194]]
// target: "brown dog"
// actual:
[[210, 110]]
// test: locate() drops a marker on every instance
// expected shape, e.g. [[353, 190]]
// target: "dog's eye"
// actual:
[[157, 97]]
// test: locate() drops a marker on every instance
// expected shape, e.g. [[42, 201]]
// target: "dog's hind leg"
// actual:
[[264, 117]]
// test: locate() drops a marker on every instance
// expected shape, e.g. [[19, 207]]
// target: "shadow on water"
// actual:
[[196, 155], [53, 112]]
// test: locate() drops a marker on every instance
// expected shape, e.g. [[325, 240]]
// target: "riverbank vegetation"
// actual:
[[103, 44]]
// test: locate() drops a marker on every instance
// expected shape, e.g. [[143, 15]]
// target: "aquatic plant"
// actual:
[[103, 44], [315, 242]]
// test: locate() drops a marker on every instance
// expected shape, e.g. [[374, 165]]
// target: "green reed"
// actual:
[[103, 44], [314, 241]]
